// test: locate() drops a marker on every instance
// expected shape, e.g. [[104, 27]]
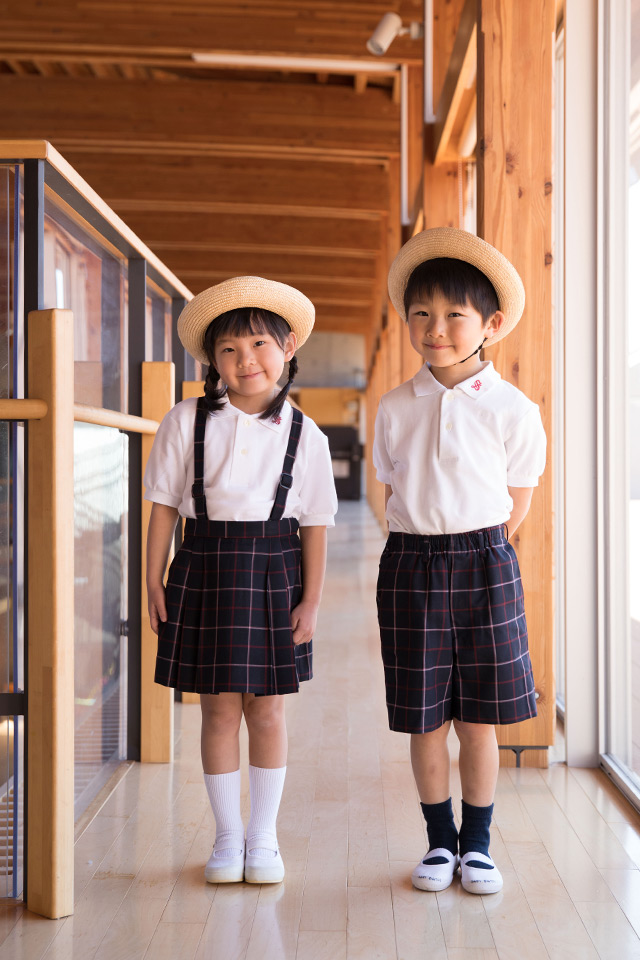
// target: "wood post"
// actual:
[[50, 626], [515, 110], [156, 701]]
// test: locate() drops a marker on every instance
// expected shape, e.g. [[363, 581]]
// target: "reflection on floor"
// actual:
[[351, 832]]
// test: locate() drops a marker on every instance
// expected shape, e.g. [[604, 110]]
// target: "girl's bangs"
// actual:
[[249, 321]]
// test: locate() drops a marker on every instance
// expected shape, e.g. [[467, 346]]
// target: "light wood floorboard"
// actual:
[[351, 832]]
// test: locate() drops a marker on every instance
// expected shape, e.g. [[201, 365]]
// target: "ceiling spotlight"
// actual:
[[387, 30]]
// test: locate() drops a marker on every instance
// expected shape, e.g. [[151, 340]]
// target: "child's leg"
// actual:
[[479, 763], [219, 746], [266, 723], [267, 728], [431, 765], [221, 716], [430, 762]]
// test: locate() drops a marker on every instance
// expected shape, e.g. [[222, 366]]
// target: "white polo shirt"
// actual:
[[449, 455], [243, 458]]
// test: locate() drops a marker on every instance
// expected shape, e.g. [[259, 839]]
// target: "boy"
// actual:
[[459, 451]]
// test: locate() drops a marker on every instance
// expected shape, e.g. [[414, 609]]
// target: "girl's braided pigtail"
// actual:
[[274, 408], [214, 391]]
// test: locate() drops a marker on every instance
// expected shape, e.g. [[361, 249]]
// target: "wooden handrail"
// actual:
[[26, 409], [23, 409], [83, 413]]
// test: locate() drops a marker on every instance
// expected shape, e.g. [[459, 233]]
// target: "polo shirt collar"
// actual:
[[425, 383], [277, 424], [477, 385]]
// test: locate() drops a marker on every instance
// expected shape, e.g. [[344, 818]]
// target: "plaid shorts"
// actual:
[[230, 591], [453, 631]]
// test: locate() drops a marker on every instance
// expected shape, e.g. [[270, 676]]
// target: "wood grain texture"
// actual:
[[156, 701], [50, 580], [304, 119], [515, 215], [319, 28]]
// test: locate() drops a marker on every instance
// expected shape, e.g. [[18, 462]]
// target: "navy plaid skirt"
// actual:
[[453, 631], [230, 592]]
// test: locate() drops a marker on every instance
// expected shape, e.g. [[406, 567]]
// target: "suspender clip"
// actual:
[[286, 480], [197, 489]]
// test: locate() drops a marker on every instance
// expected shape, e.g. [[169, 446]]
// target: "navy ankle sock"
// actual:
[[474, 832], [441, 828]]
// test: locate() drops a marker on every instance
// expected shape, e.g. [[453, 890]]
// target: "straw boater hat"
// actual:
[[279, 298], [460, 245]]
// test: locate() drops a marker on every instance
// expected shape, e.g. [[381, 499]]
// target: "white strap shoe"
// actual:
[[263, 864], [435, 876], [480, 879], [225, 869]]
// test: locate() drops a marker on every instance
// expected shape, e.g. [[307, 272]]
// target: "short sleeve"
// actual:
[[165, 476], [318, 500], [381, 459], [526, 449]]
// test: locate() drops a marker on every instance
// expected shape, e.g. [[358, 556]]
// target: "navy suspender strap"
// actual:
[[197, 490], [286, 480]]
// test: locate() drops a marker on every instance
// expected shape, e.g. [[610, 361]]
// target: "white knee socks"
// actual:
[[265, 787], [224, 796]]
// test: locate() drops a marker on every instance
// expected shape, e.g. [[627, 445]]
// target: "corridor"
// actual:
[[351, 831]]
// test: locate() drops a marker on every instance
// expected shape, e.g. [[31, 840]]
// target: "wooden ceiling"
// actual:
[[223, 170]]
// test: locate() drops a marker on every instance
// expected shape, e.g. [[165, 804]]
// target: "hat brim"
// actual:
[[280, 298], [460, 245]]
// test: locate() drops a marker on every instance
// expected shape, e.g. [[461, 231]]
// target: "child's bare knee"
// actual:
[[263, 713], [474, 732], [221, 712]]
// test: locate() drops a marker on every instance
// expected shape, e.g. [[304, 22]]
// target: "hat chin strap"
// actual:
[[472, 354]]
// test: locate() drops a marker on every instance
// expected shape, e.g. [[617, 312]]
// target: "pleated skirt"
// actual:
[[230, 592]]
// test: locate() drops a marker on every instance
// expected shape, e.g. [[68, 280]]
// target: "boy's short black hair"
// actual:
[[458, 281]]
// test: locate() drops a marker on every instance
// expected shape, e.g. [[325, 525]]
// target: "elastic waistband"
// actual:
[[236, 529], [448, 542]]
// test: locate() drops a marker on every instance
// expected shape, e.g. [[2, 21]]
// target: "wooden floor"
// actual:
[[351, 832]]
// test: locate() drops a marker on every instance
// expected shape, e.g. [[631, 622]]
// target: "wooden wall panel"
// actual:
[[515, 111], [156, 701], [50, 578], [441, 204], [446, 19]]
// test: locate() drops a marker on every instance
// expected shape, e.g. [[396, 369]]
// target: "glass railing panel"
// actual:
[[11, 572], [158, 324], [83, 274], [101, 496]]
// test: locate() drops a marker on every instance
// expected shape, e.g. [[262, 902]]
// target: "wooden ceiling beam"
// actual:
[[358, 272], [312, 29], [200, 113], [206, 184], [312, 235], [324, 291], [459, 90], [333, 324]]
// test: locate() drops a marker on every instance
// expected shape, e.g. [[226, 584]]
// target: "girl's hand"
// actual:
[[157, 605], [303, 621]]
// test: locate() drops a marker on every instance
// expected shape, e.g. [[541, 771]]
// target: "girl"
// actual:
[[246, 470]]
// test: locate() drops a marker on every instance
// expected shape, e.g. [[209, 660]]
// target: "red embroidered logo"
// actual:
[[477, 384], [276, 420]]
